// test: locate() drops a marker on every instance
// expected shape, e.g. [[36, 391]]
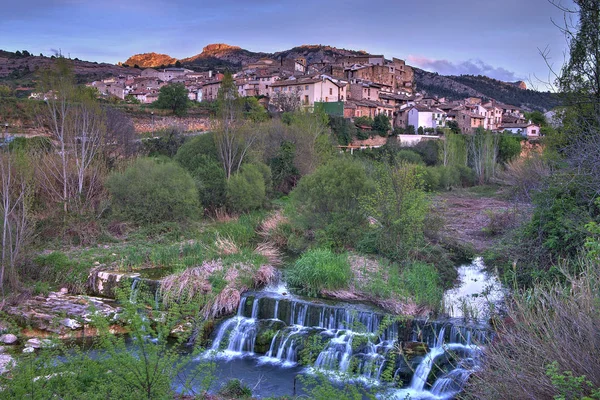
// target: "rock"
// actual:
[[34, 343], [70, 323], [28, 350], [63, 290], [39, 343], [8, 338], [2, 349], [6, 363]]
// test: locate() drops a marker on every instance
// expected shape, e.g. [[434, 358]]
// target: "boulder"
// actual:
[[8, 338], [39, 343], [6, 363], [70, 323], [28, 349], [2, 349]]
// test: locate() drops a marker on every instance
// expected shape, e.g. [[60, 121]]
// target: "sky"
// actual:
[[501, 38]]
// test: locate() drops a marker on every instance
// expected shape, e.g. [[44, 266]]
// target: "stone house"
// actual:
[[312, 89], [210, 90]]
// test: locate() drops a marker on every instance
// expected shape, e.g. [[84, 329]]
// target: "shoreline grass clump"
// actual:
[[320, 269]]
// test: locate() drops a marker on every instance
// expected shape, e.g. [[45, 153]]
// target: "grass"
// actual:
[[320, 269]]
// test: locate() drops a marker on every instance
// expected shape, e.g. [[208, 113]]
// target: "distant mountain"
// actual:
[[149, 60], [458, 87], [224, 56]]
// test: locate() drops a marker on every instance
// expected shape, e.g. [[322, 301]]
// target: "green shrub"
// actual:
[[449, 177], [319, 269], [149, 192], [327, 202], [431, 178], [194, 152], [211, 182], [235, 389], [467, 175], [429, 151], [246, 189], [409, 156]]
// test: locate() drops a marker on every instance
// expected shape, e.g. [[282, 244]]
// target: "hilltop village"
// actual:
[[352, 86]]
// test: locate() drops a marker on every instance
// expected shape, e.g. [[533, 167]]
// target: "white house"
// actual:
[[527, 129], [425, 117]]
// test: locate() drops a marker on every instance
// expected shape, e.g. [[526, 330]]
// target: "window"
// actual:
[[533, 132], [331, 91], [306, 87]]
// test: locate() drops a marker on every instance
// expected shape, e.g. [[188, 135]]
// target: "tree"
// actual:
[[173, 97], [381, 124], [77, 123], [483, 154], [286, 101], [15, 197], [232, 136], [453, 125], [177, 64]]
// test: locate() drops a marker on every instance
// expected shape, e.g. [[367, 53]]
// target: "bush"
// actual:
[[409, 156], [449, 177], [429, 151], [509, 148], [235, 389], [548, 345], [467, 175], [246, 189], [210, 182], [149, 192], [327, 202], [194, 152], [320, 269]]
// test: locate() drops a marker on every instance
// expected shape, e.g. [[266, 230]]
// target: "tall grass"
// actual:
[[320, 269], [422, 284], [549, 337]]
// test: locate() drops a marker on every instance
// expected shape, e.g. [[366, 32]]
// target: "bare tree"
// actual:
[[14, 208], [76, 122], [286, 101], [233, 137]]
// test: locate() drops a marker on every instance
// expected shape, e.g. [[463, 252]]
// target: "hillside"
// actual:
[[457, 87], [19, 70]]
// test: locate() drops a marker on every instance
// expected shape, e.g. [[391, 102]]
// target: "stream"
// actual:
[[276, 340], [276, 337]]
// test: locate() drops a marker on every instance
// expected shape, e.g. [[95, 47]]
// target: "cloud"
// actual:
[[469, 67]]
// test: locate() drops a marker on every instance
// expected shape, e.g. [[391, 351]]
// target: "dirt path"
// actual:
[[474, 218]]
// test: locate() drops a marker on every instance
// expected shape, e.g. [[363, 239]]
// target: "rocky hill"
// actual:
[[458, 87], [224, 56], [149, 60]]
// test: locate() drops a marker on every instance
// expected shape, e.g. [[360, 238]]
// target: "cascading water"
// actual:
[[354, 342]]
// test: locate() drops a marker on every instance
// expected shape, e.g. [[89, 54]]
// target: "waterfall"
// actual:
[[134, 290], [355, 341]]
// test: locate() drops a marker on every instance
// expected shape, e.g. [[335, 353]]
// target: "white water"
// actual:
[[478, 292]]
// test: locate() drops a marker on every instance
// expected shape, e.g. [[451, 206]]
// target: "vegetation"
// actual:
[[173, 97], [319, 269], [150, 191]]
